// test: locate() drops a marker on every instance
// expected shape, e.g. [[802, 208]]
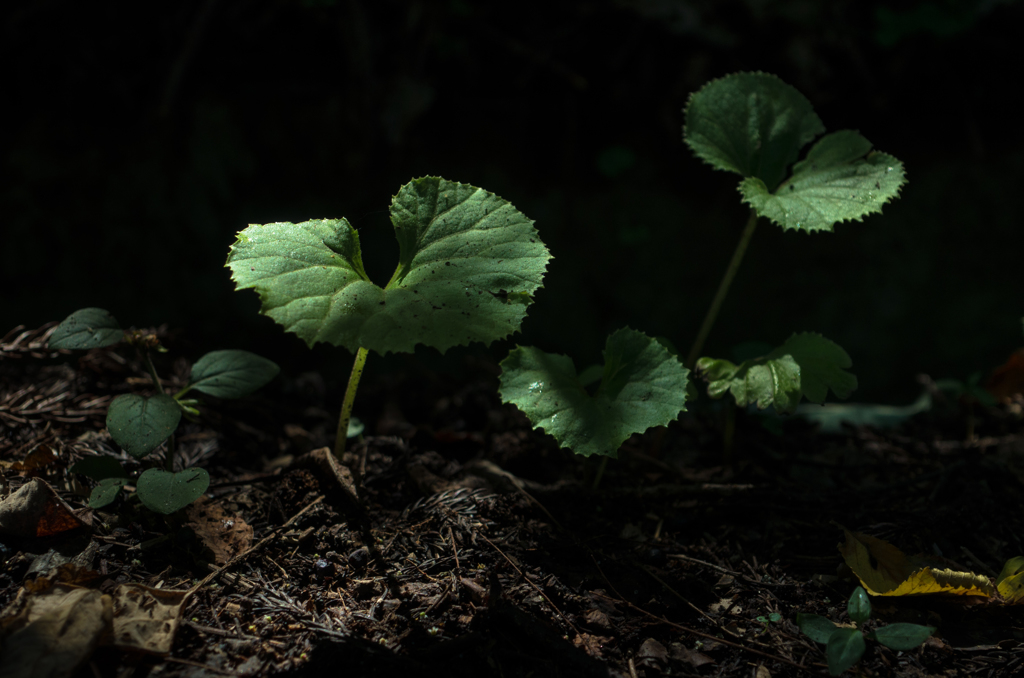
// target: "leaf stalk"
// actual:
[[350, 398], [723, 289]]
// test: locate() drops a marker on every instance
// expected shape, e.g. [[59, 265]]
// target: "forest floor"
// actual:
[[470, 545]]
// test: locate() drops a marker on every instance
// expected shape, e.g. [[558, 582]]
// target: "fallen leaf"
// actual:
[[884, 570], [226, 535], [35, 510], [146, 618], [52, 633]]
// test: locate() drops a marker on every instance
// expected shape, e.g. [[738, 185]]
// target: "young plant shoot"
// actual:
[[754, 125], [845, 646], [469, 265], [140, 424]]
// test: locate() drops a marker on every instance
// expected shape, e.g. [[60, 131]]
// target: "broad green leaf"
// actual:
[[845, 648], [859, 605], [231, 374], [86, 328], [642, 385], [752, 124], [166, 492], [817, 628], [840, 180], [903, 637], [469, 263], [807, 365], [106, 492], [99, 467], [139, 424]]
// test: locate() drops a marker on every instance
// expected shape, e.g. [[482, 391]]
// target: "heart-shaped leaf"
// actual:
[[469, 263], [106, 492], [166, 492], [139, 423], [642, 385], [807, 365], [752, 124], [86, 328], [231, 374], [839, 180]]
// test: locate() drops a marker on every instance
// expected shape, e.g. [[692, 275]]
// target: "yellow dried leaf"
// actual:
[[1011, 581], [884, 570]]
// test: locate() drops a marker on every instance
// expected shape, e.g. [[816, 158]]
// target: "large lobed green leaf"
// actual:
[[807, 365], [839, 180], [469, 264], [752, 124], [642, 385]]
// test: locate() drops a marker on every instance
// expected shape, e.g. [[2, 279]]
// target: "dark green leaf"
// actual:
[[86, 328], [231, 374], [99, 467], [903, 637], [139, 424], [817, 628], [166, 492], [859, 605], [106, 492], [845, 648]]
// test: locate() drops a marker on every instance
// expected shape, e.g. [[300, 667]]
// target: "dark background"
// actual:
[[142, 136]]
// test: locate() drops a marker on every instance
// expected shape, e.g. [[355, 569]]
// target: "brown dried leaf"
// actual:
[[146, 618], [35, 510], [226, 535]]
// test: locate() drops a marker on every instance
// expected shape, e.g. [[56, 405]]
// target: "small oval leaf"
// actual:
[[139, 423], [902, 636], [86, 328], [859, 605], [106, 492], [643, 385], [845, 648], [166, 492], [231, 373], [817, 628]]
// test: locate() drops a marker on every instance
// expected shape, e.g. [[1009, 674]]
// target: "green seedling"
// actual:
[[469, 265], [845, 646], [772, 618], [754, 125], [140, 424]]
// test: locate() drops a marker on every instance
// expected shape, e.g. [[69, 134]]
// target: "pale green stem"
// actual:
[[350, 398], [723, 288]]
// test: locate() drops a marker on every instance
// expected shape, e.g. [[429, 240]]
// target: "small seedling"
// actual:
[[845, 646], [469, 265], [772, 618], [754, 125], [140, 424]]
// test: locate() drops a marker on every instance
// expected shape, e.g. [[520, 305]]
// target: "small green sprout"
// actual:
[[845, 646], [770, 619], [140, 424], [469, 265]]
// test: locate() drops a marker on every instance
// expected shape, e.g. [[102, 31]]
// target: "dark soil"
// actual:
[[476, 547]]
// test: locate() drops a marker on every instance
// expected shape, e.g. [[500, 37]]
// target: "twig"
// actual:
[[693, 631], [535, 587]]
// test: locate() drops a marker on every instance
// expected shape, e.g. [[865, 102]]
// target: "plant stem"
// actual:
[[152, 371], [723, 288], [350, 398]]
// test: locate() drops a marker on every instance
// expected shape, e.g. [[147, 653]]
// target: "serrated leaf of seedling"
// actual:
[[86, 328], [140, 423], [642, 385], [469, 264]]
